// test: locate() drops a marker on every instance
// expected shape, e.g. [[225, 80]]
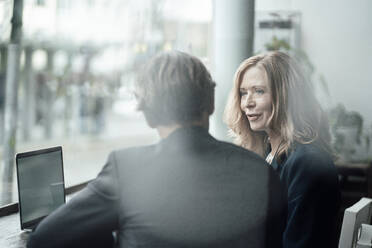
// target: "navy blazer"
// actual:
[[189, 190], [313, 197]]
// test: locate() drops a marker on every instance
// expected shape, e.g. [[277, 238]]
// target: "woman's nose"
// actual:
[[249, 101]]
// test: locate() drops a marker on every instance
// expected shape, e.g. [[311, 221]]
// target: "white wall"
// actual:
[[337, 36]]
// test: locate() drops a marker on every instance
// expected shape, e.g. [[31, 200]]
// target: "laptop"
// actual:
[[41, 186]]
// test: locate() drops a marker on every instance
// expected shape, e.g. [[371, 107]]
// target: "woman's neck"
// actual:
[[275, 141]]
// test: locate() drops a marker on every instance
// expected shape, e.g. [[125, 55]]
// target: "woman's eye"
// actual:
[[242, 93], [260, 91]]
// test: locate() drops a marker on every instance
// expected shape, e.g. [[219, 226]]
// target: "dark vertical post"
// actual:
[[48, 95], [11, 102], [3, 61], [68, 116], [29, 101]]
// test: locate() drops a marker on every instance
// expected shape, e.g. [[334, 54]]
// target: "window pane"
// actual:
[[78, 66]]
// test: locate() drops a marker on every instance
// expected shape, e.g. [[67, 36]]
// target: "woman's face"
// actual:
[[255, 99]]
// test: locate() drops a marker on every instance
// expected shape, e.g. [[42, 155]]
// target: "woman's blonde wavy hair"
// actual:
[[297, 115]]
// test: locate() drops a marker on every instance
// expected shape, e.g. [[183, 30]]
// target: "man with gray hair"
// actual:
[[188, 190]]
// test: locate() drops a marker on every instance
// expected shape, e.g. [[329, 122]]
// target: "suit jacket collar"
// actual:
[[186, 137]]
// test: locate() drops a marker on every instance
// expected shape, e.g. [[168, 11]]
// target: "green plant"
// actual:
[[340, 117], [277, 44], [344, 124]]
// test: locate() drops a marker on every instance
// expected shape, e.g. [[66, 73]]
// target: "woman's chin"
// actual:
[[255, 128]]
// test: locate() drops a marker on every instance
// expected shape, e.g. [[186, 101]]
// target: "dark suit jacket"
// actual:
[[189, 190], [313, 197]]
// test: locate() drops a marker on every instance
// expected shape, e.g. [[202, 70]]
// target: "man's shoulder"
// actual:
[[239, 152], [132, 152], [216, 150], [125, 159]]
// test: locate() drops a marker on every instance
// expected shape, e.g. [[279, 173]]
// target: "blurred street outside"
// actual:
[[85, 155]]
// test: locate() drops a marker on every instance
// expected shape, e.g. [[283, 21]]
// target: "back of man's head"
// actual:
[[174, 88]]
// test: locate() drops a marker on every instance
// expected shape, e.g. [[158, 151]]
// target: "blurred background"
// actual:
[[71, 82]]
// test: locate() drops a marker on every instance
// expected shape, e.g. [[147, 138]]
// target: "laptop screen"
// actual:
[[40, 184]]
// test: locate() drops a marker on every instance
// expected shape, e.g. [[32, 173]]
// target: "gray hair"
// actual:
[[174, 88]]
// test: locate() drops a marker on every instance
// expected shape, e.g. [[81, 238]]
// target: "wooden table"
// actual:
[[11, 235]]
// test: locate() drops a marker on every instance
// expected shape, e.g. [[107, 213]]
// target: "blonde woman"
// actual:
[[272, 111]]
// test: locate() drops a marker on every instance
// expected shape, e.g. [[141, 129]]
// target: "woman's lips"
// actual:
[[253, 117]]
